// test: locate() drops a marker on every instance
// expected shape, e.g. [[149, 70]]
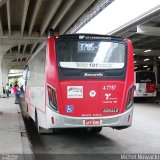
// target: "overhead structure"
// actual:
[[144, 31], [24, 23]]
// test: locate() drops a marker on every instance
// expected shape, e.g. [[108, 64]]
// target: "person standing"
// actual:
[[4, 91], [22, 90], [15, 91], [7, 89]]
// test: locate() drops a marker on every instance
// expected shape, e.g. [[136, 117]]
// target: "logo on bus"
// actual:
[[110, 99], [110, 110], [93, 74], [92, 93], [107, 95], [69, 108], [74, 91]]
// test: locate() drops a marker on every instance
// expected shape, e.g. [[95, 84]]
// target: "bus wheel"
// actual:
[[26, 107], [36, 121], [94, 129], [120, 127], [54, 131]]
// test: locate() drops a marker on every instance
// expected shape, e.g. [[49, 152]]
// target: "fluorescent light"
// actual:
[[135, 67], [148, 50], [147, 59], [159, 57], [148, 68], [145, 66], [134, 54], [135, 61]]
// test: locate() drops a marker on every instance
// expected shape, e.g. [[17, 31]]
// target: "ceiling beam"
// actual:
[[16, 67], [1, 27], [51, 12], [24, 48], [152, 53], [16, 63], [17, 55], [141, 62], [137, 38], [147, 30], [19, 40], [70, 18], [2, 2], [61, 12], [34, 16], [19, 47], [88, 15], [33, 47], [9, 17], [24, 16]]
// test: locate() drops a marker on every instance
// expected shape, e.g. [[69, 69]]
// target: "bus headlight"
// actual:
[[52, 98], [130, 98]]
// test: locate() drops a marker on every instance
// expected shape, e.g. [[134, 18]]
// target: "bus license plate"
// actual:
[[90, 122]]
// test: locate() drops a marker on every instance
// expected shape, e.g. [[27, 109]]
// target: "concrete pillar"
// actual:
[[5, 71], [3, 50], [158, 74], [155, 69], [1, 86]]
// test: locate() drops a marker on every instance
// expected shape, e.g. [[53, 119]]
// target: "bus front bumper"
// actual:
[[56, 120]]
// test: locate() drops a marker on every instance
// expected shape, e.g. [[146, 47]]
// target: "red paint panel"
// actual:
[[150, 87], [98, 97]]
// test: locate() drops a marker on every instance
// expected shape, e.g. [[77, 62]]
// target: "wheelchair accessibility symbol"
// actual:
[[69, 108]]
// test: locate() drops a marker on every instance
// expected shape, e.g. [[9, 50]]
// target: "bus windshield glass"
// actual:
[[91, 54], [145, 77]]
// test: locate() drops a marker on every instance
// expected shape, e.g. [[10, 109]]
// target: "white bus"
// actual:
[[145, 84]]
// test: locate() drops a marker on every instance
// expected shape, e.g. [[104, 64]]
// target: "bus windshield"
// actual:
[[91, 54], [145, 77]]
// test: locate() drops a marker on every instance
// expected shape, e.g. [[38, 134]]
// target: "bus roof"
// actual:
[[90, 37]]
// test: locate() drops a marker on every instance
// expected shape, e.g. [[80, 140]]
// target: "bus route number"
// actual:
[[93, 65], [86, 47]]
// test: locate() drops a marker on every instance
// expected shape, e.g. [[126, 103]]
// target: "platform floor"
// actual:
[[13, 138]]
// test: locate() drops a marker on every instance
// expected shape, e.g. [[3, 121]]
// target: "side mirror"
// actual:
[[26, 75]]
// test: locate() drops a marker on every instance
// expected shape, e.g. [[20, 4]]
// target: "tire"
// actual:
[[94, 129], [120, 127], [54, 131], [27, 107], [36, 121]]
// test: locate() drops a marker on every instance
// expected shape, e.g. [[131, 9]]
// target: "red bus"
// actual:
[[81, 80], [145, 84]]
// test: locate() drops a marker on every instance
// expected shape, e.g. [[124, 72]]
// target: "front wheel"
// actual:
[[94, 129]]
